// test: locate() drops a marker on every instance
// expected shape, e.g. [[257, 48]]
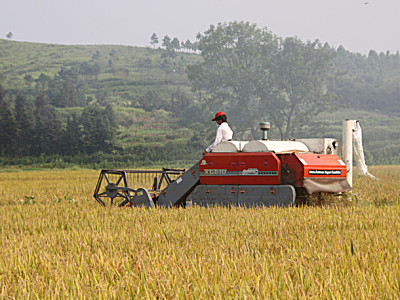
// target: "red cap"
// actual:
[[220, 113]]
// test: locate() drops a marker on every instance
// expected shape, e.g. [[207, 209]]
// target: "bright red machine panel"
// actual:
[[297, 166], [219, 168], [259, 168], [244, 168]]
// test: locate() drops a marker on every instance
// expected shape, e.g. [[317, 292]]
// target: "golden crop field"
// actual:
[[57, 242]]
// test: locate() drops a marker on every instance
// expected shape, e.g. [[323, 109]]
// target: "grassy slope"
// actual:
[[124, 81], [18, 59]]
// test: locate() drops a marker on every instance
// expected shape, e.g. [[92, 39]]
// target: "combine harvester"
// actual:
[[255, 173]]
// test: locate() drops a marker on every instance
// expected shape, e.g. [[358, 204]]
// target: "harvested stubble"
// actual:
[[77, 249]]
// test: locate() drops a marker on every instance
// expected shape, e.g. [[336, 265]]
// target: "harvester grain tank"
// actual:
[[244, 173]]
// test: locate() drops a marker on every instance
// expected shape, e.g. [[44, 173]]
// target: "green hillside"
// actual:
[[124, 73], [147, 88], [158, 118]]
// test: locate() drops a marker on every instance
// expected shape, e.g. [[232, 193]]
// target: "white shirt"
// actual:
[[224, 133]]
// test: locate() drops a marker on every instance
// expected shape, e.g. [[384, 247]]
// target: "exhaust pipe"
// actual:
[[265, 126]]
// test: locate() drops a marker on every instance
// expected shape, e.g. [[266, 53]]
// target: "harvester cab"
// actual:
[[242, 173]]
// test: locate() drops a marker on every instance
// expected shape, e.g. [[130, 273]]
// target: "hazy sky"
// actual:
[[358, 25]]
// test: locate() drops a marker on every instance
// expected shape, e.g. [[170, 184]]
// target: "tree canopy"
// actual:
[[154, 40], [300, 72], [254, 76]]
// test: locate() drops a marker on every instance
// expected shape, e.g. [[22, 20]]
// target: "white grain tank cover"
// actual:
[[321, 145], [276, 146], [229, 147]]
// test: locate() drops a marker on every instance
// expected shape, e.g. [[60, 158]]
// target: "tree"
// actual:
[[67, 89], [2, 95], [255, 76], [8, 130], [150, 101], [154, 40], [89, 70], [42, 83], [167, 43], [236, 59], [28, 79], [96, 55], [179, 101], [175, 45], [188, 45], [47, 128], [194, 47], [9, 35], [144, 64], [299, 72], [148, 64], [168, 66], [102, 95], [25, 124], [98, 129], [372, 54], [72, 143]]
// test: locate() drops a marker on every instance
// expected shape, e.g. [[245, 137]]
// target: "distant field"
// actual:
[[57, 242]]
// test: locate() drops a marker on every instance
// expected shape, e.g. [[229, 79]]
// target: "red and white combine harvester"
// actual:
[[243, 173]]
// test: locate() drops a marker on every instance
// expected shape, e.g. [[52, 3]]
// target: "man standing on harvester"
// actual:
[[224, 132]]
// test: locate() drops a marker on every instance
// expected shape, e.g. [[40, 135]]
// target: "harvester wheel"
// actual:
[[114, 193]]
